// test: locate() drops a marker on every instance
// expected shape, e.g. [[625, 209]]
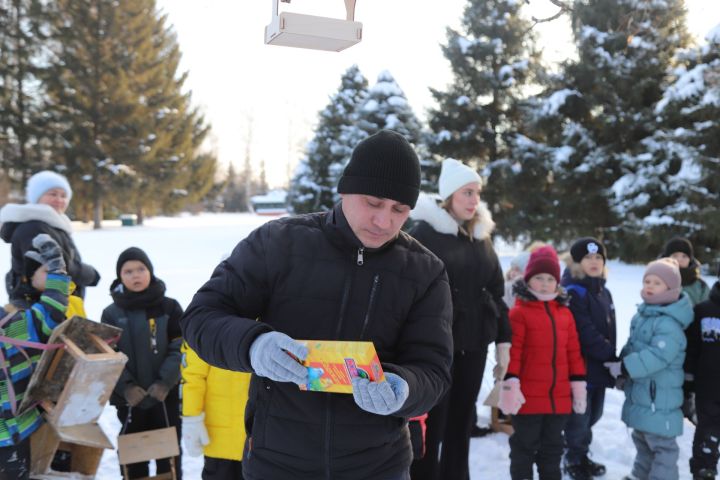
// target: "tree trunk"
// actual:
[[97, 207], [140, 215]]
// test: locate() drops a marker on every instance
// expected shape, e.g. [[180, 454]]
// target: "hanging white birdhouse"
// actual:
[[290, 29]]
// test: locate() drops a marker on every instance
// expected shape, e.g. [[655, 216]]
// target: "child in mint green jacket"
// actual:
[[652, 364]]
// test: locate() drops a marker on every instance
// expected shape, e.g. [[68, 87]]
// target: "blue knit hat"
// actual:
[[43, 181]]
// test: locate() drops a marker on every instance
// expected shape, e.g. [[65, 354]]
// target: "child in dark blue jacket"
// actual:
[[592, 306]]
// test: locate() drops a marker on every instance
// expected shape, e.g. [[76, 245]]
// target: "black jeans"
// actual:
[[578, 431], [536, 439], [450, 422], [151, 419], [15, 461], [705, 443], [222, 469]]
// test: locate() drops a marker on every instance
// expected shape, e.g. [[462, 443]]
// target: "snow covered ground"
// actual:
[[184, 250]]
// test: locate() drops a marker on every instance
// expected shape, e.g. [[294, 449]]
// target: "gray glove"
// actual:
[[270, 356], [381, 398], [615, 368], [48, 253]]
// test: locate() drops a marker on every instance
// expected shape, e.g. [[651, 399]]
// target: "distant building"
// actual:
[[272, 203]]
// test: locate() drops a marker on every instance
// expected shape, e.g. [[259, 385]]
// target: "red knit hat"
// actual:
[[543, 260]]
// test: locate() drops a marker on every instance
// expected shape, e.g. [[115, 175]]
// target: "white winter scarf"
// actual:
[[20, 213]]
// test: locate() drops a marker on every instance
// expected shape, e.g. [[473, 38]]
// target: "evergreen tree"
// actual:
[[598, 113], [493, 59], [313, 186], [25, 130], [118, 98], [673, 186], [478, 118], [387, 107]]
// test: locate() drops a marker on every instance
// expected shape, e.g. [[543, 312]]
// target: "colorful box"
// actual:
[[332, 364]]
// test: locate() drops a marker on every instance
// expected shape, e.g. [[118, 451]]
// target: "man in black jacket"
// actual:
[[346, 274]]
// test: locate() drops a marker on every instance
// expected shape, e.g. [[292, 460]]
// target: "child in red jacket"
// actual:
[[546, 375]]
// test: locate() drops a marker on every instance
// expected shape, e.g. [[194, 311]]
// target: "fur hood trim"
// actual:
[[429, 210], [20, 213]]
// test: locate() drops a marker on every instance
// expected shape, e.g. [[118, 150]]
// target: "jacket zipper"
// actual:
[[371, 304], [554, 356], [328, 400], [653, 393]]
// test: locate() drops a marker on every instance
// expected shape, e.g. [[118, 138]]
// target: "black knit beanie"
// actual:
[[585, 246], [133, 253], [678, 244], [383, 165]]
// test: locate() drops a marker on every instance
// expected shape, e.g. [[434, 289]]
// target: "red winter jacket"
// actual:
[[545, 353]]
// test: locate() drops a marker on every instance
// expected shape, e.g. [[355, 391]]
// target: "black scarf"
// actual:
[[149, 299]]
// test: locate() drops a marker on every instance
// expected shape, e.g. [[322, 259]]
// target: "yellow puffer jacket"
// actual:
[[222, 395]]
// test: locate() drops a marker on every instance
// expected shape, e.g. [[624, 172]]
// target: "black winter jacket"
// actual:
[[303, 276], [22, 223], [151, 339], [702, 358], [480, 315], [592, 306]]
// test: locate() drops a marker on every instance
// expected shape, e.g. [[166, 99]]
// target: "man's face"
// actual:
[[374, 221]]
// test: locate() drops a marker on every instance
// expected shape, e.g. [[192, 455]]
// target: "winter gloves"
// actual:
[[270, 356], [511, 398], [158, 391], [615, 368], [194, 434], [502, 359], [48, 253], [579, 396], [381, 398], [134, 395]]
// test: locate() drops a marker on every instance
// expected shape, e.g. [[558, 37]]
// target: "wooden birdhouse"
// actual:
[[72, 385], [290, 29]]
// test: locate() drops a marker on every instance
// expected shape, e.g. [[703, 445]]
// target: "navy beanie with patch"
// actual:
[[383, 165], [585, 246]]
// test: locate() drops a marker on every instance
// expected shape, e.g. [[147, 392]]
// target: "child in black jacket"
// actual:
[[702, 371], [146, 395]]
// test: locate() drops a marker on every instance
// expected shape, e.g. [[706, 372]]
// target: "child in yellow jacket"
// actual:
[[213, 409]]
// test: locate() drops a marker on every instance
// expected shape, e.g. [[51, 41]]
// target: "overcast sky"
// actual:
[[243, 85]]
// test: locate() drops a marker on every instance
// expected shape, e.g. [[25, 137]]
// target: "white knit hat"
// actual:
[[455, 174], [43, 181]]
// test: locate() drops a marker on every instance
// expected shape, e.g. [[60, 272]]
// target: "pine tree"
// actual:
[[478, 118], [25, 130], [673, 187], [313, 186], [117, 95], [493, 59], [595, 118], [387, 107]]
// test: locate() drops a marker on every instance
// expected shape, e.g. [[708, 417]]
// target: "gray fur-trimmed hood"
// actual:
[[429, 210]]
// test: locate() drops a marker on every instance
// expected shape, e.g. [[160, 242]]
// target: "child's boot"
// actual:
[[705, 474], [595, 469]]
